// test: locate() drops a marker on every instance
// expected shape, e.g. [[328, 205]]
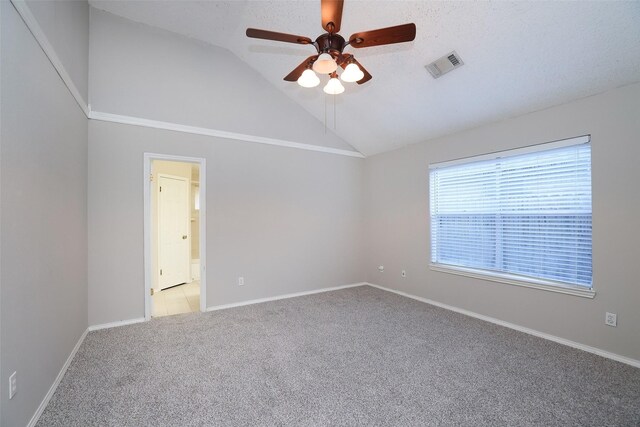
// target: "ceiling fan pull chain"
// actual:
[[335, 124], [325, 114]]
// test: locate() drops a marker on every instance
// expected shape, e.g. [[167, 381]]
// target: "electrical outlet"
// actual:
[[240, 281], [611, 319], [13, 385], [381, 268], [404, 273]]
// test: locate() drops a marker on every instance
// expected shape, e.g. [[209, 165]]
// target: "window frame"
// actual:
[[502, 277]]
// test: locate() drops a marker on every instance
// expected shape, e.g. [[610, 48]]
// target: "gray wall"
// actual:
[[66, 24], [141, 71], [287, 220], [397, 215], [43, 251]]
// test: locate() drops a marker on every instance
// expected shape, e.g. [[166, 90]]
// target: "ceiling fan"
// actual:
[[330, 47]]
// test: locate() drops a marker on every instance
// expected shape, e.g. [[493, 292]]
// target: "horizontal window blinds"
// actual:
[[526, 214]]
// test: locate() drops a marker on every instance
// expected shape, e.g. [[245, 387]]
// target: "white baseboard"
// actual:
[[285, 296], [594, 350], [579, 346], [235, 304], [116, 324], [56, 382]]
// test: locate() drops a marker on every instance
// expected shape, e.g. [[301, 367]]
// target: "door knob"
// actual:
[[184, 237]]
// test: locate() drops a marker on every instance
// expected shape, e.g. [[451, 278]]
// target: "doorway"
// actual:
[[174, 235]]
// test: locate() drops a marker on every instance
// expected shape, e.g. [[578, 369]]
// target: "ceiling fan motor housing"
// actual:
[[333, 44]]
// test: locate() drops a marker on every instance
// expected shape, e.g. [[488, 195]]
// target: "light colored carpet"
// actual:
[[359, 356]]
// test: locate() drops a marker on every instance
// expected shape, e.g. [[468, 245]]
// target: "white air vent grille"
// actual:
[[442, 66]]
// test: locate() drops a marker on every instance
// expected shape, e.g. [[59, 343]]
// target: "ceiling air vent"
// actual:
[[445, 64]]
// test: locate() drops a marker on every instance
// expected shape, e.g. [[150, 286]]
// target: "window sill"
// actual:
[[514, 280]]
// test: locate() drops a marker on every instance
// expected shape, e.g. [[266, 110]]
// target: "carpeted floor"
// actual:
[[358, 356]]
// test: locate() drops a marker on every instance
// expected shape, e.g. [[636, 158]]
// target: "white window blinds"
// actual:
[[523, 212]]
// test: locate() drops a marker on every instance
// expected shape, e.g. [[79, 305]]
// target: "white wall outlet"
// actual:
[[404, 273], [381, 268], [240, 281], [611, 319], [13, 385]]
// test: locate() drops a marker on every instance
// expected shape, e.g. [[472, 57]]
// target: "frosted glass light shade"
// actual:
[[308, 79], [325, 64], [352, 73], [334, 87]]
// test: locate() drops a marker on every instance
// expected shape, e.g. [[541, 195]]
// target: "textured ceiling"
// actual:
[[519, 57]]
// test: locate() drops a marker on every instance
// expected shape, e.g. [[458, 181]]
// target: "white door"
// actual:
[[173, 230]]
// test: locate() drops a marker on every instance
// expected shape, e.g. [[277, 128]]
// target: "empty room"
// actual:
[[319, 212]]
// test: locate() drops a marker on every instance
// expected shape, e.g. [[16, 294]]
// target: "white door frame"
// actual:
[[148, 158]]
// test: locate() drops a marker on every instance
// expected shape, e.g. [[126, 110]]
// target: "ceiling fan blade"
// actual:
[[390, 35], [279, 37], [297, 72], [348, 59], [331, 13]]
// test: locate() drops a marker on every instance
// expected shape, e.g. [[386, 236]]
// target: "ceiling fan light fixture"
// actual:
[[330, 46], [325, 64], [308, 79], [352, 73], [334, 87]]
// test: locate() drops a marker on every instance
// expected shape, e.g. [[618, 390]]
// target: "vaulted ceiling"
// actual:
[[518, 57]]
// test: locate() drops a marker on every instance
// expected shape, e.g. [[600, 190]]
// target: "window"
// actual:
[[521, 215]]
